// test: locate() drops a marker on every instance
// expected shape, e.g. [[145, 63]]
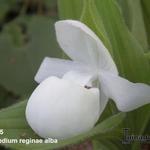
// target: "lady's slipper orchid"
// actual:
[[66, 107]]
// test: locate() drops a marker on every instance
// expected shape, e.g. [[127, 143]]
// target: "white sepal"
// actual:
[[81, 44]]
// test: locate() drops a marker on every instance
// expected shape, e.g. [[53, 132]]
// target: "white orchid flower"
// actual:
[[73, 94]]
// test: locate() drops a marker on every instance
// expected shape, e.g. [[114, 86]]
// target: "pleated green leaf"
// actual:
[[127, 52], [12, 120], [134, 18], [146, 12]]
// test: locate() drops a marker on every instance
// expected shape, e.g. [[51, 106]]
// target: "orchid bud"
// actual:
[[59, 108]]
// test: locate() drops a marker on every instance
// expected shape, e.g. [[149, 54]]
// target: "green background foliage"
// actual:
[[27, 35]]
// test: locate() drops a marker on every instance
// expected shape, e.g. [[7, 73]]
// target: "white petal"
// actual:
[[60, 109], [57, 67], [81, 44], [127, 95], [81, 78]]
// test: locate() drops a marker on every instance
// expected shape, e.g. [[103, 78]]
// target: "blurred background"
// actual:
[[26, 37]]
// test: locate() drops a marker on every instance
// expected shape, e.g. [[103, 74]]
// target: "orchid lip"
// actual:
[[68, 105]]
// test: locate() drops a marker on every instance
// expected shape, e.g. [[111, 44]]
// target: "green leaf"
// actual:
[[124, 46], [137, 121], [70, 9], [97, 26], [112, 140], [146, 12], [108, 23], [134, 20], [147, 55], [23, 45], [13, 121]]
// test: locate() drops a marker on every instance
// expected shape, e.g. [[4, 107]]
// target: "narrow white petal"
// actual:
[[81, 44], [57, 67], [103, 101], [127, 95]]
